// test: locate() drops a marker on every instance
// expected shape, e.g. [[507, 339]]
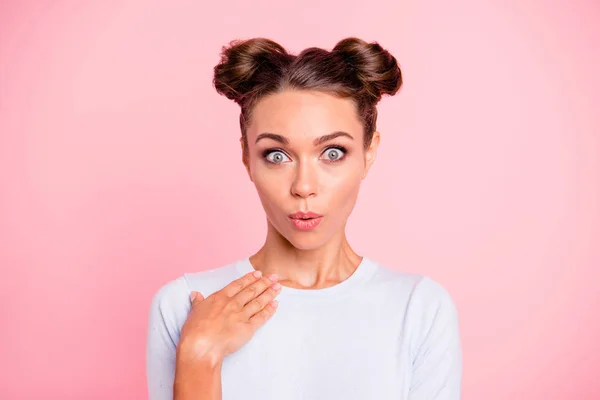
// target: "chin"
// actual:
[[305, 240], [306, 245]]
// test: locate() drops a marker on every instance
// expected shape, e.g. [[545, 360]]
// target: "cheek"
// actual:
[[270, 185], [341, 187], [347, 194]]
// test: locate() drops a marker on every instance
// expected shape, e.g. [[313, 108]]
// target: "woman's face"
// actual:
[[306, 154]]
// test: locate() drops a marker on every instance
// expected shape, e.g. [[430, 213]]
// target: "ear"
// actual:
[[245, 160], [371, 152]]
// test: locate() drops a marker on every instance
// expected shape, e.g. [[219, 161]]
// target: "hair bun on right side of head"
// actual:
[[375, 67], [244, 62]]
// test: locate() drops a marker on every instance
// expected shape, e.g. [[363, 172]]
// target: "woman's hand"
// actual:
[[227, 319]]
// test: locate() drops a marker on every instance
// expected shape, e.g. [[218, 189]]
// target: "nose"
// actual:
[[305, 182]]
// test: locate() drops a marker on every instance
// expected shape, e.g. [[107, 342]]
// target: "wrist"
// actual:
[[193, 357], [200, 379], [184, 369]]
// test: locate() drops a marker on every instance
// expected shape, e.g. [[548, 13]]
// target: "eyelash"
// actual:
[[336, 147]]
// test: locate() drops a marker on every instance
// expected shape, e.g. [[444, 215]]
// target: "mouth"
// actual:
[[305, 220]]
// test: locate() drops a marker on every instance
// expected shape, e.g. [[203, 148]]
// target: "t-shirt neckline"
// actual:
[[363, 271]]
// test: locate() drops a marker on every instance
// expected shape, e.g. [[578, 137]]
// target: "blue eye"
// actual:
[[334, 153], [276, 157]]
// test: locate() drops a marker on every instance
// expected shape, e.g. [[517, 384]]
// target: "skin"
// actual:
[[304, 177]]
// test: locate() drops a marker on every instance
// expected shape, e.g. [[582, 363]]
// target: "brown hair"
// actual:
[[254, 68]]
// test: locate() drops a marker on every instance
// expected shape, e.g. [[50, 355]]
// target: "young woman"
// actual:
[[305, 317]]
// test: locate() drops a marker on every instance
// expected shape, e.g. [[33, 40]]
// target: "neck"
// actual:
[[316, 268]]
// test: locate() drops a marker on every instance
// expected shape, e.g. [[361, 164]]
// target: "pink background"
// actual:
[[120, 170]]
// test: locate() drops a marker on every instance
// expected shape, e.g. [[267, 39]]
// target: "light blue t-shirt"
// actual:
[[380, 334]]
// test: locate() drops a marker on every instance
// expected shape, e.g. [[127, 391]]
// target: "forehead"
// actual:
[[295, 113]]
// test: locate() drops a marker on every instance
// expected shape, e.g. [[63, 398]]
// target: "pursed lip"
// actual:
[[304, 215]]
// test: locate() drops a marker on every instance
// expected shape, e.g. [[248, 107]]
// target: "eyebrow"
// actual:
[[316, 142]]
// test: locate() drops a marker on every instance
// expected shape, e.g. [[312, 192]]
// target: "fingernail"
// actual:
[[193, 296], [276, 286], [257, 274], [273, 277]]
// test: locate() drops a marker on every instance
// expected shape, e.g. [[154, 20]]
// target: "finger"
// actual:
[[260, 302], [234, 287], [259, 319], [254, 290], [196, 296]]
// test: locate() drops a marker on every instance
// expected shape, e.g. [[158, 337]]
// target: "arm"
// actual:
[[197, 381], [169, 376], [437, 360], [188, 338]]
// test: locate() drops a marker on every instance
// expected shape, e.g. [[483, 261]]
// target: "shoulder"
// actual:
[[432, 317], [426, 301], [424, 291], [430, 294], [398, 279], [172, 299], [212, 280]]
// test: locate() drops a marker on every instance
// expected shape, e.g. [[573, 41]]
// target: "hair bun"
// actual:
[[242, 61], [374, 66]]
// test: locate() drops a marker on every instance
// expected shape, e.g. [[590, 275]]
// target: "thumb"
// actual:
[[196, 295]]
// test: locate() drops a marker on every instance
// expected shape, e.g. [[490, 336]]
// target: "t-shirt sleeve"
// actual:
[[167, 314], [437, 356]]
